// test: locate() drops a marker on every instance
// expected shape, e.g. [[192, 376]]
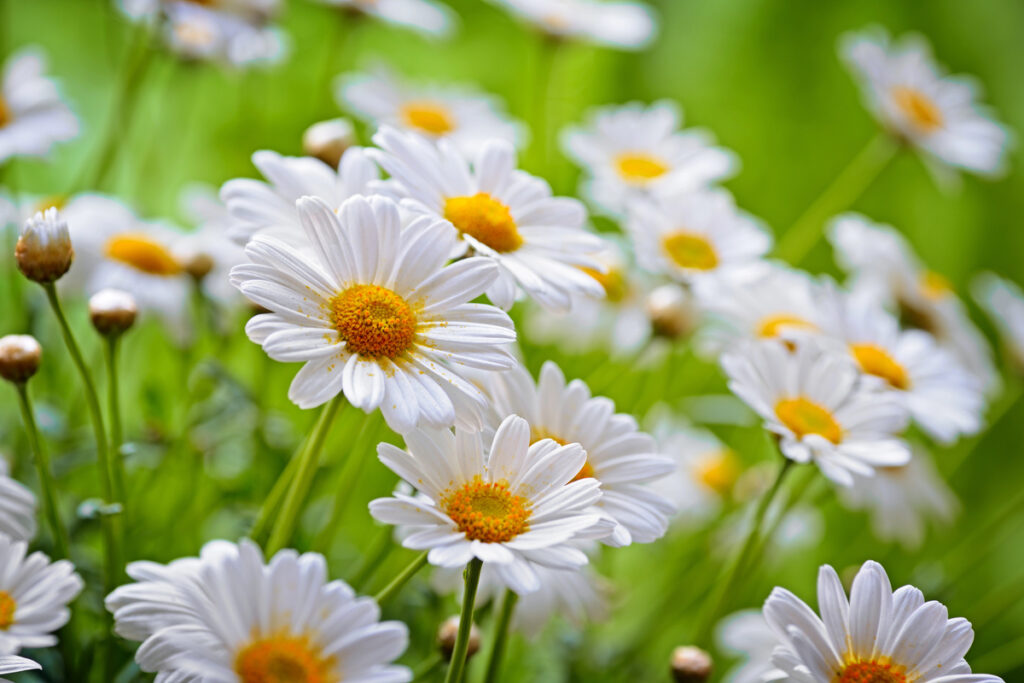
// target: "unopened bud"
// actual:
[[199, 266], [328, 140], [691, 664], [671, 311], [19, 357], [112, 311], [447, 634], [44, 250]]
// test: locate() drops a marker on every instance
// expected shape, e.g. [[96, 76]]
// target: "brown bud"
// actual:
[[671, 311], [44, 250], [448, 632], [691, 664], [199, 266], [19, 357], [328, 140], [112, 311]]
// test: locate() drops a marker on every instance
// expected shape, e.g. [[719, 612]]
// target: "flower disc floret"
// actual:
[[374, 321], [487, 511], [282, 660], [485, 219], [870, 672]]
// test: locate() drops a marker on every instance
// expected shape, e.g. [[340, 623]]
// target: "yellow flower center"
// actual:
[[871, 671], [773, 325], [689, 250], [485, 219], [935, 286], [874, 360], [804, 417], [373, 321], [718, 471], [428, 117], [8, 606], [283, 659], [142, 253], [640, 168], [5, 113], [614, 282], [487, 511], [923, 113]]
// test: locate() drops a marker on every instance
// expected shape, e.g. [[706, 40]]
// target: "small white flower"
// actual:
[[12, 664], [916, 100], [498, 211], [746, 635], [1004, 303], [877, 635], [32, 115], [621, 25], [514, 506], [423, 16], [633, 150], [817, 405], [373, 312], [17, 507], [228, 616]]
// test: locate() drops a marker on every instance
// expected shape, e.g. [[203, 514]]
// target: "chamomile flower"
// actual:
[[466, 117], [230, 616], [373, 311], [876, 635], [497, 211], [514, 506], [635, 151], [1004, 303], [12, 664], [618, 455], [34, 595], [816, 404], [423, 16], [17, 507], [620, 25], [918, 102], [747, 636], [258, 207], [32, 115]]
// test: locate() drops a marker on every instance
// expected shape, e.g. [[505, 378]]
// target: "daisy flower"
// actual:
[[257, 207], [514, 507], [498, 211], [816, 404], [17, 507], [466, 117], [620, 25], [373, 311], [633, 150], [34, 595], [32, 115], [1004, 303], [12, 664], [230, 616], [876, 635], [747, 636], [423, 16], [618, 455], [918, 102]]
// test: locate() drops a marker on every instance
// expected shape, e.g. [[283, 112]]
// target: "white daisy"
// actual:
[[423, 16], [373, 312], [917, 101], [747, 636], [208, 252], [230, 617], [17, 507], [258, 207], [816, 404], [1004, 303], [466, 117], [12, 664], [32, 115], [621, 25], [877, 635], [34, 595], [634, 150], [498, 211], [514, 507]]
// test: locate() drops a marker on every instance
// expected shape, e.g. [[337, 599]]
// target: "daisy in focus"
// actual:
[[374, 313], [816, 404], [915, 100], [620, 25], [497, 211], [17, 507], [514, 506], [633, 151], [466, 117], [230, 616], [877, 635], [1004, 303], [33, 117], [426, 17]]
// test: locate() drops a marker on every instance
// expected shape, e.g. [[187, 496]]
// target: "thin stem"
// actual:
[[494, 659], [381, 546], [403, 577], [114, 412], [458, 661], [348, 473], [261, 527]]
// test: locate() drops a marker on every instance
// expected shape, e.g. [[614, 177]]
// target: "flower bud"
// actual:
[[328, 140], [447, 634], [44, 250], [112, 311], [671, 311], [19, 357], [691, 664], [199, 266]]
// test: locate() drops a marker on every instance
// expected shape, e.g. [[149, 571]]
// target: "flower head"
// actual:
[[20, 355], [621, 25], [112, 311], [44, 251], [329, 140], [32, 115]]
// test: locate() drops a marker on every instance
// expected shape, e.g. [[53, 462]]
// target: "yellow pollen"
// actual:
[[283, 659], [5, 113], [934, 285], [773, 325], [8, 606], [874, 360], [428, 117], [872, 671], [485, 219], [373, 321], [718, 471], [142, 253], [923, 113], [804, 417], [614, 282], [640, 168], [689, 250], [487, 511]]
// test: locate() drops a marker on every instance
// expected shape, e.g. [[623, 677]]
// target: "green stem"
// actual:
[[458, 661], [114, 412], [494, 659], [379, 549], [844, 191], [403, 577], [348, 473], [261, 527]]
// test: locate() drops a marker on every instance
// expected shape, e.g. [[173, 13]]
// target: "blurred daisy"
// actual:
[[747, 636], [17, 507], [466, 117], [618, 455], [32, 115], [815, 403], [258, 207], [240, 619], [918, 102], [11, 664], [34, 594], [634, 150], [621, 25], [423, 16], [876, 635], [706, 469], [373, 312], [498, 211], [514, 507], [1004, 303]]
